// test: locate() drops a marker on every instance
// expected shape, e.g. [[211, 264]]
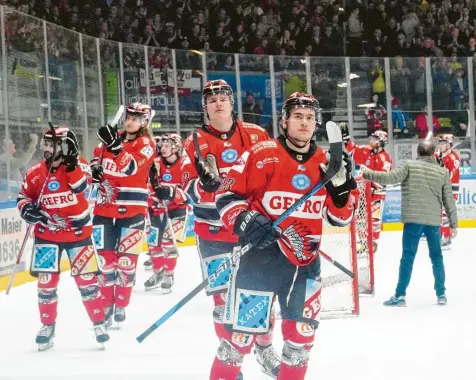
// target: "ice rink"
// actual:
[[420, 342]]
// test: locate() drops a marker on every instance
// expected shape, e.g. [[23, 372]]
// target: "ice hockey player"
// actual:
[[167, 200], [158, 145], [62, 223], [216, 149], [372, 156], [264, 183], [121, 165], [451, 161]]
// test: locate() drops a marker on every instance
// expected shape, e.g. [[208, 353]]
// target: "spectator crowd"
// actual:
[[377, 28]]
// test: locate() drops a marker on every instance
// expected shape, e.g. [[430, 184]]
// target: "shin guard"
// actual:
[[107, 278], [89, 288], [298, 339], [126, 277], [48, 297]]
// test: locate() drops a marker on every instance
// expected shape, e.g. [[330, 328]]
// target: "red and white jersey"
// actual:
[[269, 178], [452, 162], [227, 149], [63, 200], [365, 155], [167, 174], [123, 190]]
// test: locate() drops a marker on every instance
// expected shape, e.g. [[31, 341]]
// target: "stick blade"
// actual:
[[118, 116], [334, 133]]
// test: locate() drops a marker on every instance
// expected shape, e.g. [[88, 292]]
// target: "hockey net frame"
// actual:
[[352, 246]]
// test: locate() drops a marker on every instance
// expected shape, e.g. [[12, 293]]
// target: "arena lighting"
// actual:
[[367, 105], [198, 52]]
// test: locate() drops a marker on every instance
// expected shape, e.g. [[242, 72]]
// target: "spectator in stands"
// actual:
[[401, 83], [459, 90], [402, 122], [18, 160], [421, 124], [252, 111], [355, 29], [377, 78], [441, 77]]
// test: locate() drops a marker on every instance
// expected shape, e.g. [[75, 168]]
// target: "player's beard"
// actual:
[[48, 156]]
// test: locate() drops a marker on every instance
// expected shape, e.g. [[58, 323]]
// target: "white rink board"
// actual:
[[420, 342]]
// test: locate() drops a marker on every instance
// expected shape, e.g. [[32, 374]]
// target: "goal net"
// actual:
[[352, 247]]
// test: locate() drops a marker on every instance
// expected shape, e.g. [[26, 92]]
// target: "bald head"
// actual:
[[426, 148]]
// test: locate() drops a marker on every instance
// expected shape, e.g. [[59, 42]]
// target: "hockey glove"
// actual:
[[165, 193], [208, 173], [342, 183], [70, 159], [345, 132], [97, 172], [255, 229], [110, 138], [31, 214]]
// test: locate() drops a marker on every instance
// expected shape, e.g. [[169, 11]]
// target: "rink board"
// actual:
[[12, 229]]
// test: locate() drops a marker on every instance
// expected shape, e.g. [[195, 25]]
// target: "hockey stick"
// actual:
[[429, 135], [335, 163], [337, 264], [30, 226]]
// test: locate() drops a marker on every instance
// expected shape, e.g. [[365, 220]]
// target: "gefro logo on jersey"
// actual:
[[59, 200], [276, 202]]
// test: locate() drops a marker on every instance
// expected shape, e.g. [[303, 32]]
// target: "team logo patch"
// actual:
[[367, 162], [259, 164], [254, 138], [147, 151], [53, 185], [301, 181], [229, 156], [167, 177]]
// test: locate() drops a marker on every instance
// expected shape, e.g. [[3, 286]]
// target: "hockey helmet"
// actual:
[[175, 142], [301, 100], [217, 87], [57, 135], [380, 136], [141, 110], [446, 137]]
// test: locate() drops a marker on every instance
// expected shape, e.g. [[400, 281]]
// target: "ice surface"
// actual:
[[422, 341]]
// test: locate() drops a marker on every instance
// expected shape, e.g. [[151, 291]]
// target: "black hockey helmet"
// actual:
[[301, 100]]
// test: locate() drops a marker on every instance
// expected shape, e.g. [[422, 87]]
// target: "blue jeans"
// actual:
[[411, 237]]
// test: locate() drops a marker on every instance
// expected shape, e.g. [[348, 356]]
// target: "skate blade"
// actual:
[[148, 289], [148, 269], [45, 346], [165, 291]]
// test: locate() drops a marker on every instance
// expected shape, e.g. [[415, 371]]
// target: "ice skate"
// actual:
[[148, 264], [442, 300], [45, 336], [154, 281], [101, 334], [167, 284], [108, 311], [268, 360], [120, 314], [395, 301], [240, 376]]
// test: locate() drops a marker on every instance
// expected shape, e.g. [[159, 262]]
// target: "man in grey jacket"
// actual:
[[426, 188]]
